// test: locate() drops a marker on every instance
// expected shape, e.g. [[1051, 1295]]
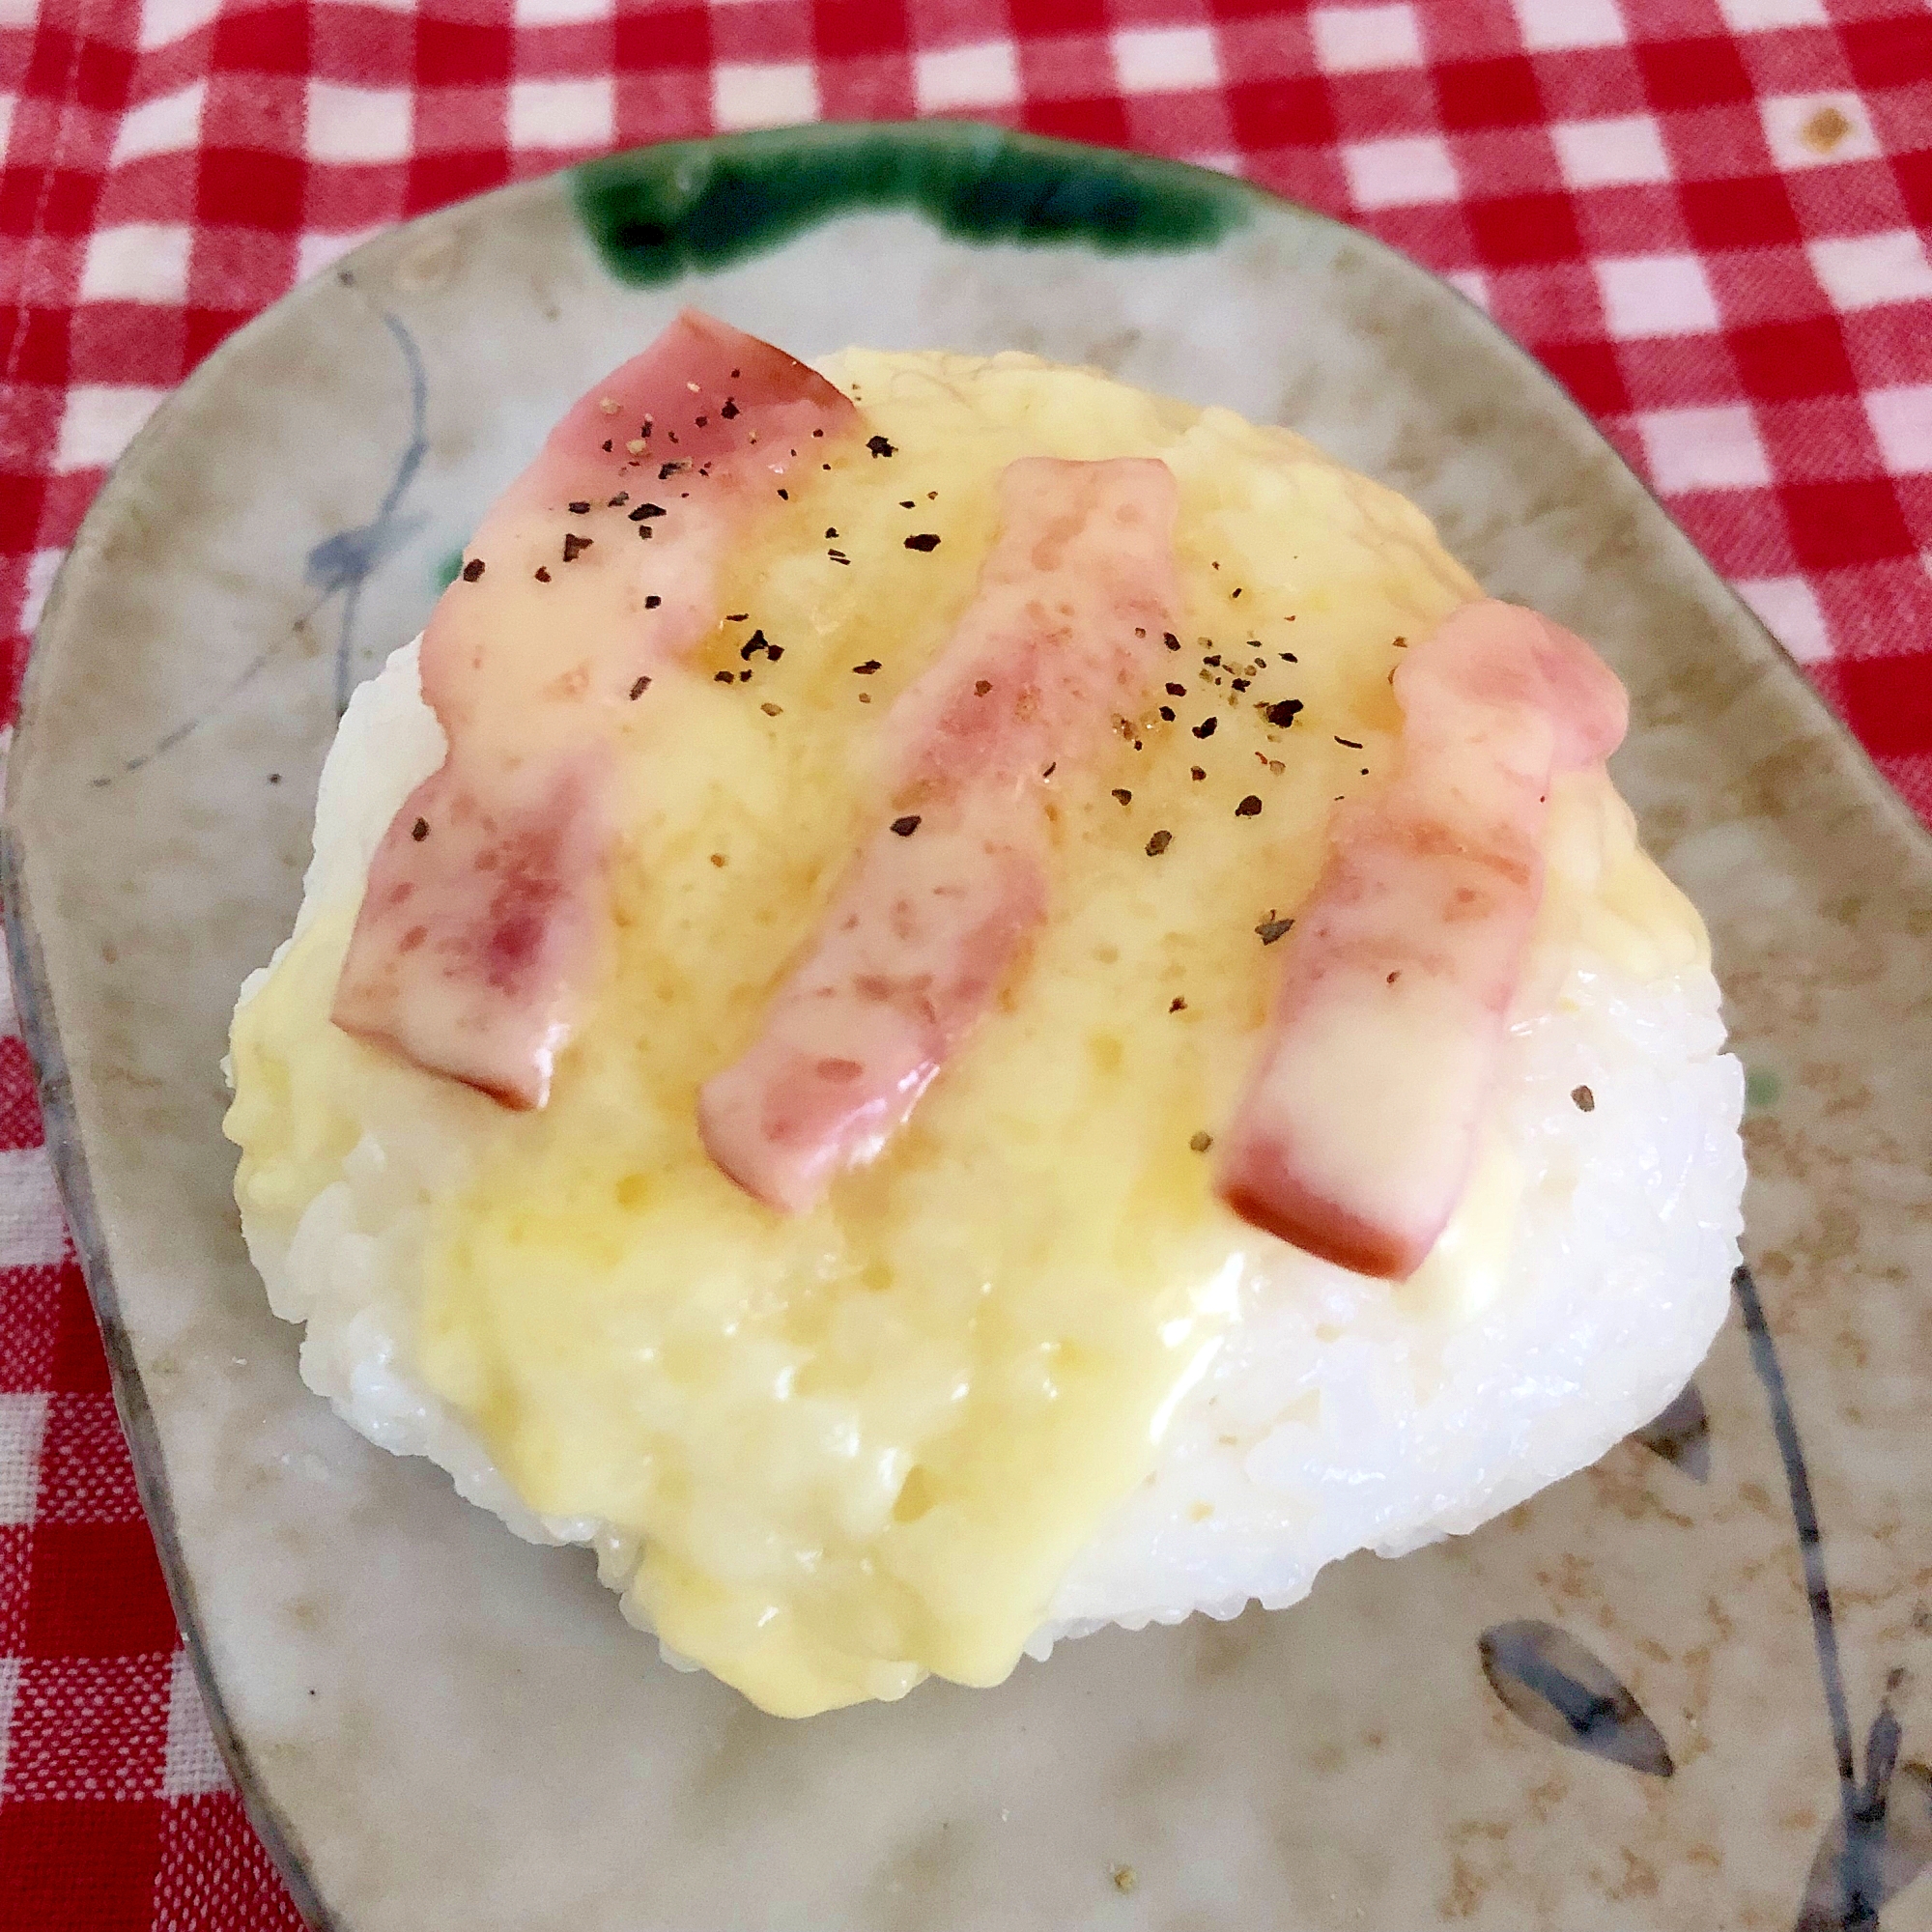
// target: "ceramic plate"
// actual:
[[1616, 1706]]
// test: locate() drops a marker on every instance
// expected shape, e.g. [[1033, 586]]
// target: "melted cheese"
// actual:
[[862, 1444]]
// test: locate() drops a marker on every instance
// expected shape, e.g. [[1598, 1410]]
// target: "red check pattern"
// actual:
[[1709, 217]]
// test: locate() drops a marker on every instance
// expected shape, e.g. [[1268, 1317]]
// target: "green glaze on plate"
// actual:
[[656, 213]]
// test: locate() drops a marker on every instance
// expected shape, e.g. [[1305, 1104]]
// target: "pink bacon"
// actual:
[[1355, 1136], [1062, 636], [592, 574]]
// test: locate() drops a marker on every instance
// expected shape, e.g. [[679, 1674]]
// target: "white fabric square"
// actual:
[[1472, 283], [42, 567], [1864, 270], [1164, 60], [1550, 26], [1355, 40], [165, 20], [98, 423], [1746, 16], [763, 95], [23, 1421], [167, 124], [1656, 295], [1813, 130], [10, 1683], [315, 252], [1788, 606], [1398, 173], [1604, 154], [357, 124], [1704, 449], [145, 261], [194, 1763], [562, 13], [31, 1230], [984, 74], [1901, 420], [563, 113]]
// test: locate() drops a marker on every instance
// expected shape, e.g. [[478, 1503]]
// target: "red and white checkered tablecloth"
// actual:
[[1709, 217]]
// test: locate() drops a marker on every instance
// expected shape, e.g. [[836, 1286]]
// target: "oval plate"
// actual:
[[1606, 1708]]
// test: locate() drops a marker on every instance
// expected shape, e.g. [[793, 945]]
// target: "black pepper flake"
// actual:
[[1240, 683], [1353, 743], [838, 557], [607, 443], [274, 777], [1051, 769], [722, 677], [1167, 712], [472, 569], [1205, 729], [879, 446], [730, 411], [644, 512], [1201, 1143], [1272, 929], [543, 575], [865, 698], [1195, 771], [1249, 807], [757, 642], [1176, 1005], [926, 542], [637, 690], [1125, 797], [1177, 691], [1397, 644], [703, 421], [419, 831], [770, 709], [905, 827], [1214, 660], [618, 501], [666, 470], [1282, 711], [830, 532], [645, 531], [652, 603], [1234, 593], [1160, 843], [866, 669], [574, 546], [785, 495], [1392, 978], [1586, 1102], [1289, 657], [1170, 641], [981, 686], [579, 509]]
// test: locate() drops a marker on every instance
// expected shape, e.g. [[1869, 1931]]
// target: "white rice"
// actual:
[[1339, 1415]]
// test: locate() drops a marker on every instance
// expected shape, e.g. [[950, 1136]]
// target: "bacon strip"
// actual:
[[1062, 636], [1357, 1133], [487, 895]]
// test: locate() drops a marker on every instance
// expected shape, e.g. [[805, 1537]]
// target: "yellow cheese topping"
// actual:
[[863, 1445]]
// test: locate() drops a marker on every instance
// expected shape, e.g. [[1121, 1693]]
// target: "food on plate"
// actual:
[[949, 1003]]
